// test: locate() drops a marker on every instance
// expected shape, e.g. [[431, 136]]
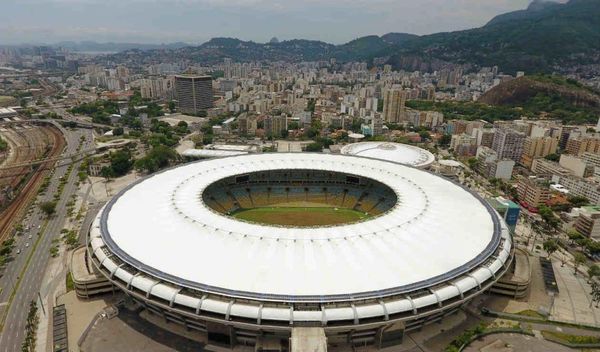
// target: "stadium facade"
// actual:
[[430, 247]]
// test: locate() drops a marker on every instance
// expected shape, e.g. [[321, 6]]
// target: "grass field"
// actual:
[[300, 216]]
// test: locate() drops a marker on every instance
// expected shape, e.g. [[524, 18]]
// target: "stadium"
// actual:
[[251, 249], [396, 152]]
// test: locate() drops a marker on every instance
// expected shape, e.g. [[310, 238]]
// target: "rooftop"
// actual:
[[161, 226], [396, 152]]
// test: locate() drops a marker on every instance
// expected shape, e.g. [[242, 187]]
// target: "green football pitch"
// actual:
[[300, 216]]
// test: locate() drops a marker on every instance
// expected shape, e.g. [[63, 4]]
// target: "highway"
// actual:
[[24, 275]]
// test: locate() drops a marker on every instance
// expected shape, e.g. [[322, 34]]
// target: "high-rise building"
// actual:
[[578, 146], [194, 93], [156, 88], [588, 222], [377, 125], [537, 147], [485, 136], [577, 186], [533, 191], [247, 124], [274, 125], [508, 144], [491, 167], [548, 168], [394, 105]]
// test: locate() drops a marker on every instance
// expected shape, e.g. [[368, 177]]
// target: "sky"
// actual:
[[196, 21]]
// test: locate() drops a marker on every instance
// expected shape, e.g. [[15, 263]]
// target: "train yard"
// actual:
[[19, 186]]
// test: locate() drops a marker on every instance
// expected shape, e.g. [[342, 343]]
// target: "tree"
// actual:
[[578, 260], [107, 172], [473, 163], [48, 208], [595, 293], [310, 106], [574, 235], [593, 247], [207, 139], [312, 132], [583, 242], [593, 271], [549, 218], [425, 135], [578, 201], [120, 162], [314, 147], [182, 127], [445, 140], [132, 112], [550, 246], [156, 159], [552, 157], [172, 106], [118, 131]]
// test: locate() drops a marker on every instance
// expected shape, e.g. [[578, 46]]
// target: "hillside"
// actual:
[[542, 38], [534, 41], [553, 96], [398, 38], [535, 8]]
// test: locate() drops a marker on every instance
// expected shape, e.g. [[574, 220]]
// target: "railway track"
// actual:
[[15, 210], [29, 144]]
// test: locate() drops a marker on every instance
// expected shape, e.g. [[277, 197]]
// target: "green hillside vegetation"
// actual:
[[533, 41], [540, 39], [467, 110], [538, 96], [547, 96]]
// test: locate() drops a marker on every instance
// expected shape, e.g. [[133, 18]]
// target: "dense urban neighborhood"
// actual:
[[303, 196]]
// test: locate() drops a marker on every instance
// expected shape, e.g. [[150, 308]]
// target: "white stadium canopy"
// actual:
[[436, 232], [396, 152]]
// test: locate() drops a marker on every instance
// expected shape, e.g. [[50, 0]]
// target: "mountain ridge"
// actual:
[[542, 38]]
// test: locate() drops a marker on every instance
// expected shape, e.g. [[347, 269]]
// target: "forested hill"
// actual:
[[547, 96], [542, 38]]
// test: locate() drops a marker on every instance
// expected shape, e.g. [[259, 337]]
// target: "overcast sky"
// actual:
[[195, 21]]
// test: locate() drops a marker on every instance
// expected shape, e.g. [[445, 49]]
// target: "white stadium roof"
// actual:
[[437, 232], [396, 152], [211, 153]]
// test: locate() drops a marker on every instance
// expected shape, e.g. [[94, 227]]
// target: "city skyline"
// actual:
[[196, 21]]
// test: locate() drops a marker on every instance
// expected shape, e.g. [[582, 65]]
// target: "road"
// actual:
[[25, 273]]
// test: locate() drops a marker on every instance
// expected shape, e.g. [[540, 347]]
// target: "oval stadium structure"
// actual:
[[406, 248], [396, 152]]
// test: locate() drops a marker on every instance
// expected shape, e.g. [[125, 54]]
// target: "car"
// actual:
[[27, 244], [30, 236], [39, 227], [19, 251]]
